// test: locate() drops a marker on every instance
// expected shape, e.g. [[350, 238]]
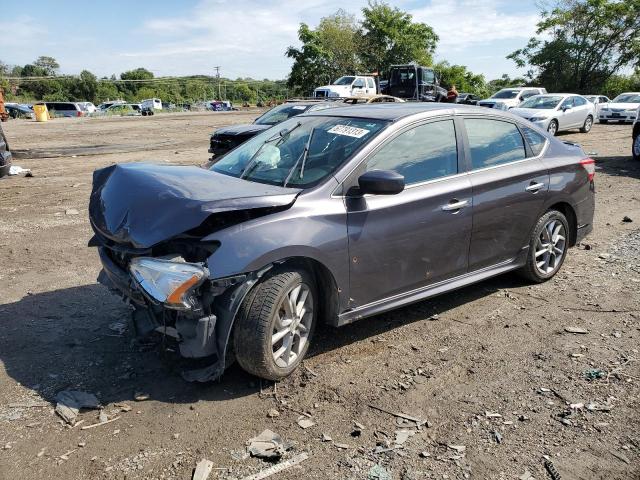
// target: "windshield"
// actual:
[[344, 81], [627, 98], [506, 94], [300, 152], [542, 102], [281, 113]]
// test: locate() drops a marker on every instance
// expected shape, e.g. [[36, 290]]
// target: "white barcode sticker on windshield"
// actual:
[[349, 131], [298, 107]]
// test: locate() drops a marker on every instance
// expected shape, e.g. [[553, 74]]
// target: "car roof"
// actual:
[[396, 111]]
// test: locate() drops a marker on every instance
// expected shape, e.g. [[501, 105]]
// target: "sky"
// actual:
[[246, 38]]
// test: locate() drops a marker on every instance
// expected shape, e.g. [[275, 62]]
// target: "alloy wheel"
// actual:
[[553, 128], [636, 147], [588, 124], [292, 325], [550, 247]]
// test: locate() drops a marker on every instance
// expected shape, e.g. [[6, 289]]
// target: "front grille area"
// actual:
[[321, 93], [223, 143]]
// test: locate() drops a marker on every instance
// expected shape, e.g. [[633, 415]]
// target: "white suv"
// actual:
[[510, 97]]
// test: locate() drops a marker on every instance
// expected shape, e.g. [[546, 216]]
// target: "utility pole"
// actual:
[[218, 77]]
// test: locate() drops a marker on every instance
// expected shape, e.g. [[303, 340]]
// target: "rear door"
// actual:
[[509, 184], [402, 242]]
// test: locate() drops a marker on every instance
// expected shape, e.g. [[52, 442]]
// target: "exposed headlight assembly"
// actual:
[[168, 282]]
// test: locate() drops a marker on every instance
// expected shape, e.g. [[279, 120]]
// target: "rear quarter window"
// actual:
[[536, 140]]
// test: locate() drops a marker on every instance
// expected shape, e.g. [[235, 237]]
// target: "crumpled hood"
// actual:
[[249, 129], [144, 204]]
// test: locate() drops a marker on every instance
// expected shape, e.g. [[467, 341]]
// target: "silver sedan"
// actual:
[[557, 112]]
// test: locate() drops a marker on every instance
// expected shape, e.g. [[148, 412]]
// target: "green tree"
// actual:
[[389, 36], [48, 64], [106, 90], [589, 41], [463, 79], [83, 88], [327, 52], [505, 82]]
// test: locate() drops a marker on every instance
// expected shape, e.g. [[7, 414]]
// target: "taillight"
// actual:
[[79, 113], [589, 164]]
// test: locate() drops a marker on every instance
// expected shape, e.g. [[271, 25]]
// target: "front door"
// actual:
[[420, 236], [509, 189]]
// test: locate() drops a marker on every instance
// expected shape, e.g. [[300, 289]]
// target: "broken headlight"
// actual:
[[168, 282]]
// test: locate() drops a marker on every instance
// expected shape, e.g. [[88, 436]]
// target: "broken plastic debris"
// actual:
[[69, 403], [16, 170], [403, 435], [305, 422], [266, 445], [202, 470], [576, 330]]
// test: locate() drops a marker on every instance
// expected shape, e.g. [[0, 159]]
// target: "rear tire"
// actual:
[[548, 247], [553, 127], [635, 149], [275, 324], [588, 123]]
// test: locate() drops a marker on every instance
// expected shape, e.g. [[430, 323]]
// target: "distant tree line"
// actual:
[[40, 80], [588, 44]]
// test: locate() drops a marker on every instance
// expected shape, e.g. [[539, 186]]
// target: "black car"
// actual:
[[227, 138], [5, 155], [468, 98]]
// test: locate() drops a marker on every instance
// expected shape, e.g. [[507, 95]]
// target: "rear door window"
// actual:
[[370, 83], [422, 153], [493, 142]]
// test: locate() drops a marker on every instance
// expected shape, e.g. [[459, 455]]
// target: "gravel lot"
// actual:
[[490, 367]]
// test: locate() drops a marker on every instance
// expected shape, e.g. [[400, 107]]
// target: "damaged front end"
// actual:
[[160, 268]]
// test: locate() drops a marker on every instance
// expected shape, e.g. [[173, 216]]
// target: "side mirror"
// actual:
[[568, 107], [381, 182]]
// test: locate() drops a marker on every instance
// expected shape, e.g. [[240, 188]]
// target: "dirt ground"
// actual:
[[491, 367]]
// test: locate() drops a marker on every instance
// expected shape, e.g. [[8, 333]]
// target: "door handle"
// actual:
[[534, 187], [455, 205]]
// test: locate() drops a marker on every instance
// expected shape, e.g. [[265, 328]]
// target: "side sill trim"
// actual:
[[417, 295]]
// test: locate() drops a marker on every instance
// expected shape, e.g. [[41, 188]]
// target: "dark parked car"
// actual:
[[333, 216], [16, 110], [467, 98], [5, 154], [227, 138]]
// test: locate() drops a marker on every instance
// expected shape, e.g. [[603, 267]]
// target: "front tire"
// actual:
[[588, 123], [275, 324], [635, 149], [548, 247], [553, 127]]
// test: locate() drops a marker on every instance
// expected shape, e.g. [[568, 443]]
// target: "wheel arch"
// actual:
[[567, 210]]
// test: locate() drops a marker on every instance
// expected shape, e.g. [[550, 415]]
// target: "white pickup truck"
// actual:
[[348, 86]]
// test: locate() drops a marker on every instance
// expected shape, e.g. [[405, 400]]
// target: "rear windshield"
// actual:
[[62, 106], [403, 76], [300, 152], [281, 113], [506, 94]]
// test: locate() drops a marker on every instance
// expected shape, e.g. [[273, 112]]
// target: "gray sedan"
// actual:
[[557, 112], [331, 217]]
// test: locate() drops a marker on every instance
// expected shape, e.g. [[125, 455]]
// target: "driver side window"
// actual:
[[358, 83], [568, 103], [422, 153]]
